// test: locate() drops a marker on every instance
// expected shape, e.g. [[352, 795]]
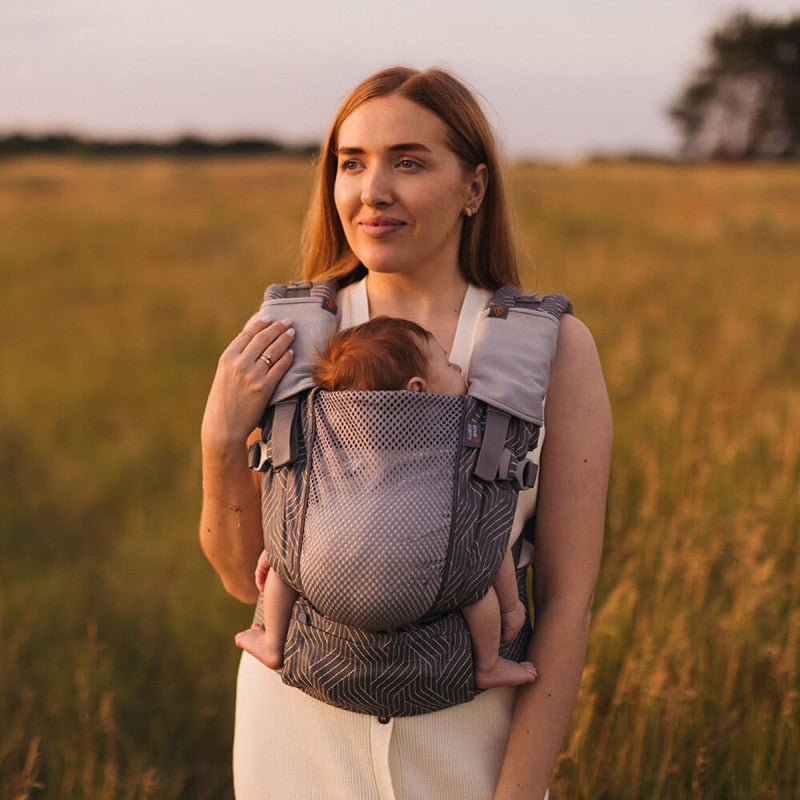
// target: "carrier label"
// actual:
[[473, 429]]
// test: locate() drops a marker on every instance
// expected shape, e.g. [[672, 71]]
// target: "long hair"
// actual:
[[487, 256], [383, 354]]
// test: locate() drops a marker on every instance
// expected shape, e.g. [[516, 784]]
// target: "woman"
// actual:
[[410, 216]]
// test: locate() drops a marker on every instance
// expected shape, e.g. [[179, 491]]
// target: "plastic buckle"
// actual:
[[525, 474], [298, 287], [259, 456]]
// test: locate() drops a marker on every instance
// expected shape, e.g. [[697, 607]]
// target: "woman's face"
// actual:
[[400, 191]]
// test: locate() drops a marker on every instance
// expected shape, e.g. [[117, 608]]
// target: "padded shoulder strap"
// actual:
[[312, 309], [515, 343]]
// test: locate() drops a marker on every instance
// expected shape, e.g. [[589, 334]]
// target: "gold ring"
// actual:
[[266, 359]]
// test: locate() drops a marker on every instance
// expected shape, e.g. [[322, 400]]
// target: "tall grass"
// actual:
[[120, 283]]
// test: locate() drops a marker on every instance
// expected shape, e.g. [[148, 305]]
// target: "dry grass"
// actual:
[[120, 281]]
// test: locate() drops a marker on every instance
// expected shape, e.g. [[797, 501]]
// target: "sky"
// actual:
[[559, 79]]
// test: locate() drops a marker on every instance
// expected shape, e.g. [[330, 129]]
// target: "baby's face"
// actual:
[[443, 377]]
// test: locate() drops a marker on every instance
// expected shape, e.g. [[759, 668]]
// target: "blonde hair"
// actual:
[[487, 256]]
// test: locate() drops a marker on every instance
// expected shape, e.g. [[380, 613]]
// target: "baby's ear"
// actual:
[[416, 385]]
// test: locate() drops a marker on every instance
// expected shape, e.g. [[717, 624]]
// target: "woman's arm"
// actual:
[[569, 534], [230, 520]]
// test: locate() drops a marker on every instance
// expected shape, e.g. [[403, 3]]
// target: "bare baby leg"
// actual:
[[483, 620], [267, 643], [512, 609]]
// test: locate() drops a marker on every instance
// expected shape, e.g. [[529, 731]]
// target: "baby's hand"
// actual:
[[262, 568]]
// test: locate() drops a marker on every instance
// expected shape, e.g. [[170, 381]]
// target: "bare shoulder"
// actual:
[[577, 393], [576, 345]]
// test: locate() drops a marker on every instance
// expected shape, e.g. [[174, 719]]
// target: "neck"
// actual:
[[433, 301]]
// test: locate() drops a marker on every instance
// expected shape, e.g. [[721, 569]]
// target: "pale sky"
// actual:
[[559, 78]]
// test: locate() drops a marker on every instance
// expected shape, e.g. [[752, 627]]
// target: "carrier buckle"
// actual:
[[260, 456], [298, 288], [525, 473]]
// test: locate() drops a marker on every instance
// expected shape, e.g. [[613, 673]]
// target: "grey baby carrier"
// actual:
[[388, 511]]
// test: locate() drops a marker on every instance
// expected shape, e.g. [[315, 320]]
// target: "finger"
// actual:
[[278, 370], [257, 318], [252, 327], [272, 342]]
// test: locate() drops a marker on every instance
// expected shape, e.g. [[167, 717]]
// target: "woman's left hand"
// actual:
[[247, 373]]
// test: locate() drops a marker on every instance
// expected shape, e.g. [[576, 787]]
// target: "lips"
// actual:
[[381, 226]]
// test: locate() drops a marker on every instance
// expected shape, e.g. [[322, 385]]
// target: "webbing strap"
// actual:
[[493, 446], [284, 433], [527, 534]]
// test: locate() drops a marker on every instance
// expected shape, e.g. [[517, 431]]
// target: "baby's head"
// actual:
[[387, 353]]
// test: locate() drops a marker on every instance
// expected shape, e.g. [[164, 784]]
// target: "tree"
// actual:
[[745, 101]]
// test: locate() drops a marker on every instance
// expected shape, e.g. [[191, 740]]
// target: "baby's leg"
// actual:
[[267, 643], [483, 619], [512, 609]]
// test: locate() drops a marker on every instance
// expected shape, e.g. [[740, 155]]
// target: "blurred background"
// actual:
[[155, 167]]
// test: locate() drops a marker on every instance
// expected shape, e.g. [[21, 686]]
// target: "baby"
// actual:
[[387, 353]]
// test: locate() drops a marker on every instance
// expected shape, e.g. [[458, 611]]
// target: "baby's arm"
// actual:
[[512, 609]]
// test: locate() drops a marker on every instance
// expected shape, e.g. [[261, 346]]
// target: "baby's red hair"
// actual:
[[383, 354]]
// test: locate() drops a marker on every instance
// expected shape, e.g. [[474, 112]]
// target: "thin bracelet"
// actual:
[[230, 506]]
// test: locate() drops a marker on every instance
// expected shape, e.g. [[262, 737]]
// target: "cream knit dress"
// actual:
[[288, 746]]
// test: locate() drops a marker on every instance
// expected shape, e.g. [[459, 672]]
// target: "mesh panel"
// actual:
[[379, 506]]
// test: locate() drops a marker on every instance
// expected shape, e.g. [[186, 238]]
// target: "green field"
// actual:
[[120, 283]]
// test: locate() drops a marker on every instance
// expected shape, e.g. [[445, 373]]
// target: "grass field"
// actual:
[[120, 283]]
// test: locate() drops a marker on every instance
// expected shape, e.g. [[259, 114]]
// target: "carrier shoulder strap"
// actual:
[[514, 346], [314, 314], [515, 343], [315, 317]]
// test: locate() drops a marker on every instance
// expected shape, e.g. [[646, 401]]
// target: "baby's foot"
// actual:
[[506, 673], [511, 622], [257, 642]]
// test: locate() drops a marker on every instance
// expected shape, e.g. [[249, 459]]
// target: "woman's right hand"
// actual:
[[244, 382]]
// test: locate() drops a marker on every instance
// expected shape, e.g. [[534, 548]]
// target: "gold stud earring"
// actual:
[[471, 210]]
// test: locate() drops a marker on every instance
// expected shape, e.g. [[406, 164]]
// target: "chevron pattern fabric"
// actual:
[[416, 670], [400, 673], [483, 514]]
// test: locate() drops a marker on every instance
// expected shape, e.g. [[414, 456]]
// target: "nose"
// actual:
[[376, 189]]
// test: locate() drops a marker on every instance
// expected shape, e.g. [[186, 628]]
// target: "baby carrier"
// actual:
[[388, 511]]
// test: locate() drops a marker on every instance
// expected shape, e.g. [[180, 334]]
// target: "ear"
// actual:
[[477, 185], [416, 385]]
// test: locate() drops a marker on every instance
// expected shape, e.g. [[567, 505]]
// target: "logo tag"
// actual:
[[473, 430]]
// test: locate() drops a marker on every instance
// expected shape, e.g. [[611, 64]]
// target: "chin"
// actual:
[[383, 267]]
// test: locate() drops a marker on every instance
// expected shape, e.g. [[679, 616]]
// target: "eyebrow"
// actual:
[[405, 147]]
